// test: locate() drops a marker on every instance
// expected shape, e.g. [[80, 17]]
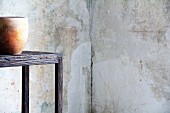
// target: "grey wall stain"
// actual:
[[159, 73], [47, 107], [152, 23]]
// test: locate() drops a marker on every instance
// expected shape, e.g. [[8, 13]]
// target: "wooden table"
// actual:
[[28, 58]]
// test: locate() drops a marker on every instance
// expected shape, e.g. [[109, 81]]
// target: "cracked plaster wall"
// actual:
[[54, 26], [131, 57]]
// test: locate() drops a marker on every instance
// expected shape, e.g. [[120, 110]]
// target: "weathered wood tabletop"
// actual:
[[28, 58]]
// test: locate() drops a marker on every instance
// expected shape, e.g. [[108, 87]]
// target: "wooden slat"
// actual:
[[29, 58]]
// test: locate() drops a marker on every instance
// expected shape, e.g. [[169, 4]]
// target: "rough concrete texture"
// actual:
[[130, 48], [54, 26]]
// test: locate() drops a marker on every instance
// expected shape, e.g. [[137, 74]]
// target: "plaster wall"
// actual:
[[130, 56]]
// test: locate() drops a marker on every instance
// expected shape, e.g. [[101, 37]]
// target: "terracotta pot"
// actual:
[[13, 34]]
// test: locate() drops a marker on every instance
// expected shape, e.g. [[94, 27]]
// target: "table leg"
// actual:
[[25, 89], [59, 74]]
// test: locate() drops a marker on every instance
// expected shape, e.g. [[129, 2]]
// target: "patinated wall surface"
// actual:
[[130, 55], [131, 58], [54, 26]]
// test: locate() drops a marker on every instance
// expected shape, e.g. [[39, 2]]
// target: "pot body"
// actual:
[[13, 34]]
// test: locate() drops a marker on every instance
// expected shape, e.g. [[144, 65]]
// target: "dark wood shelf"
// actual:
[[29, 58]]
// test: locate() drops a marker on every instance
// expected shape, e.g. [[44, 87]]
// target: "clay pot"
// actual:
[[13, 34]]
